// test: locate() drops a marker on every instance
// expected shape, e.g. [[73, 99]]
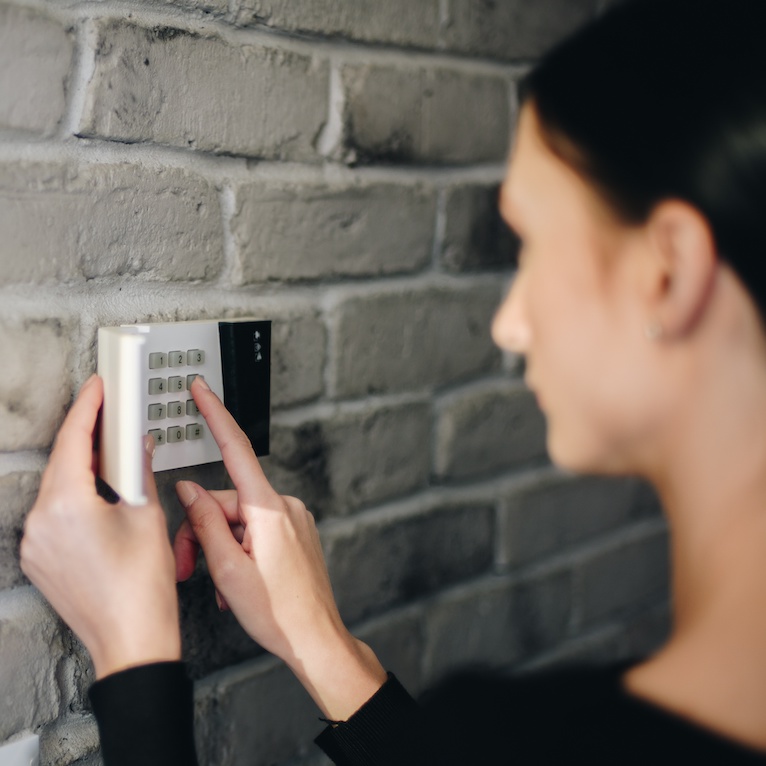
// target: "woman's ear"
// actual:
[[685, 266]]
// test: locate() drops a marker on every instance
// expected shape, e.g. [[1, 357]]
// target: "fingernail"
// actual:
[[187, 493], [202, 383], [150, 445], [89, 381]]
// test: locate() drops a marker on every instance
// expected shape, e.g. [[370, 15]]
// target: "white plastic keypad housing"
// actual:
[[147, 370]]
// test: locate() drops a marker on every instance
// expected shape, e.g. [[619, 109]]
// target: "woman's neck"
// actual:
[[710, 473], [709, 467]]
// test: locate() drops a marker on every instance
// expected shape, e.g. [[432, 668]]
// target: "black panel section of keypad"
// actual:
[[246, 366]]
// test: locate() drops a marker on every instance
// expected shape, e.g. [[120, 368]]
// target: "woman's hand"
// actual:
[[264, 555], [108, 570]]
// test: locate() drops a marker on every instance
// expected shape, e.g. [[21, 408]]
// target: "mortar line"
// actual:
[[233, 11], [440, 230], [17, 145], [330, 141], [231, 272], [22, 461], [309, 44], [83, 67]]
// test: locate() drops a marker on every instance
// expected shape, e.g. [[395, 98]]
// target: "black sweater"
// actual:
[[145, 716]]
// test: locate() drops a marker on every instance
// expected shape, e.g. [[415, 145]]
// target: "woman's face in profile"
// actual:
[[574, 310]]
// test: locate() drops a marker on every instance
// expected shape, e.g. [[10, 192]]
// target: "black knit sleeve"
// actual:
[[378, 733], [145, 716]]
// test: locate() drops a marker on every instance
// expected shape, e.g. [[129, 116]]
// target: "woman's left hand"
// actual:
[[108, 570]]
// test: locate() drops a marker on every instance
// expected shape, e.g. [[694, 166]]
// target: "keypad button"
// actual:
[[175, 409], [158, 385], [195, 356], [158, 434], [175, 384], [191, 408], [177, 358], [156, 411], [175, 434], [157, 360], [189, 379], [194, 431]]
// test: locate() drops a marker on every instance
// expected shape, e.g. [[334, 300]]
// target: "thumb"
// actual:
[[210, 527]]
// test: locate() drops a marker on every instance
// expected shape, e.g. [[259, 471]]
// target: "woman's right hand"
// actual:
[[265, 557]]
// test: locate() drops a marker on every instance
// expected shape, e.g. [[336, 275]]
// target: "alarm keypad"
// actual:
[[175, 384]]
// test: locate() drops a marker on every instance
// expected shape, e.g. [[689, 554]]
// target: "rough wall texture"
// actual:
[[331, 165]]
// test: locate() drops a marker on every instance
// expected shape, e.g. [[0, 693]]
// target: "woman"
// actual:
[[637, 183]]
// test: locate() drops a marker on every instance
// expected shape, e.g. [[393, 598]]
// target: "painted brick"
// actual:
[[298, 231], [254, 715], [341, 461], [627, 638], [542, 611], [32, 400], [169, 86], [35, 55], [410, 114], [513, 29], [30, 651], [90, 760], [17, 495], [645, 633], [552, 512], [475, 235], [211, 639], [470, 625], [71, 740], [210, 475], [487, 428], [211, 6], [385, 559], [400, 22], [630, 637], [599, 647], [627, 578], [496, 622], [411, 338], [647, 501], [298, 348], [66, 222]]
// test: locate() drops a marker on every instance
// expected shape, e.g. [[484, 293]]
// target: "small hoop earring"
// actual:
[[653, 330]]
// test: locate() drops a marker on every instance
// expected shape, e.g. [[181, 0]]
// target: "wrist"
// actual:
[[121, 652], [340, 675]]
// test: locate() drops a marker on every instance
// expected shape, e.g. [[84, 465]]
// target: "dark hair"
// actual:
[[666, 99]]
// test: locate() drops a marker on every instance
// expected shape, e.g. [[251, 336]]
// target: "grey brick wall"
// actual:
[[332, 165]]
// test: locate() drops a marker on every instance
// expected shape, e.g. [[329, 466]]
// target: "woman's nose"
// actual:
[[510, 327]]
